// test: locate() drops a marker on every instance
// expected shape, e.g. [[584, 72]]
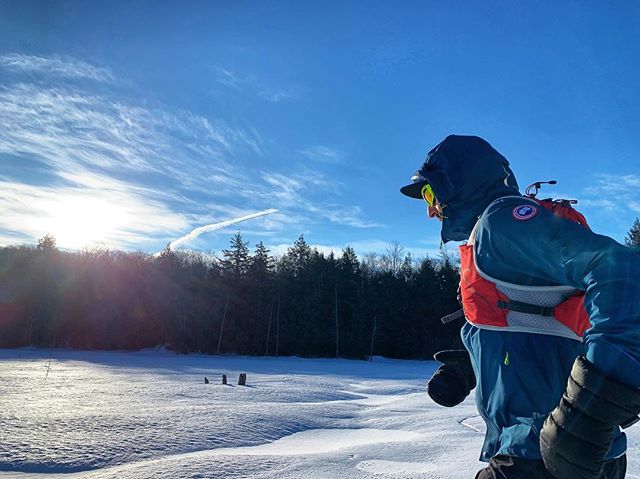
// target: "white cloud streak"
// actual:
[[217, 226], [65, 67]]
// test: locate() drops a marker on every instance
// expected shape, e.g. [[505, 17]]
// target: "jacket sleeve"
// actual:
[[546, 250]]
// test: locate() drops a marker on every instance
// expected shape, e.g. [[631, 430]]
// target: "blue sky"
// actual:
[[130, 124]]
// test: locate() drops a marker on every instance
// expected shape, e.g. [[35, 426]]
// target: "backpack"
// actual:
[[560, 207]]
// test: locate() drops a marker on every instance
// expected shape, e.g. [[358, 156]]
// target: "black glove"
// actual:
[[577, 434], [454, 380]]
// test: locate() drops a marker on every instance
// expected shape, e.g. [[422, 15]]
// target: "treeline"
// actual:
[[304, 303]]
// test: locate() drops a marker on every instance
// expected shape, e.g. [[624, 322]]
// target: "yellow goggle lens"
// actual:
[[427, 194]]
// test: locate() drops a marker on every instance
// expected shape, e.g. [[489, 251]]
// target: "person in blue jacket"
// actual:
[[552, 331]]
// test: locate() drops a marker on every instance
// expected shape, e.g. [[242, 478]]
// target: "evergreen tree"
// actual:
[[261, 263], [236, 259], [261, 298], [298, 255], [349, 263], [353, 333], [633, 237]]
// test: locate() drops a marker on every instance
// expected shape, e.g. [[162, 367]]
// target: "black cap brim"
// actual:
[[414, 190]]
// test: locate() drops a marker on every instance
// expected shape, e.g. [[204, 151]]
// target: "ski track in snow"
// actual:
[[101, 415]]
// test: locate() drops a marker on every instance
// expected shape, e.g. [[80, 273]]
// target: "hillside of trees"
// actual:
[[304, 303]]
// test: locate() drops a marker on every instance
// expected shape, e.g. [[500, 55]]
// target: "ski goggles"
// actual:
[[427, 194]]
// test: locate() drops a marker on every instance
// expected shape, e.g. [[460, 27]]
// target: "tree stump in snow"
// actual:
[[224, 379], [242, 379]]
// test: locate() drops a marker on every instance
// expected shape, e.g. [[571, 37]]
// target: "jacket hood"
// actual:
[[466, 174]]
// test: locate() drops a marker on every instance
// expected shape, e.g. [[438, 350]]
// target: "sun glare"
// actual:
[[78, 222]]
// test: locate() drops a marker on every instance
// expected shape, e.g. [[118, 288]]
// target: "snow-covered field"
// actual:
[[72, 414]]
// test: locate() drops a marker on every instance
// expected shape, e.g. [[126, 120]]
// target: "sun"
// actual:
[[78, 221]]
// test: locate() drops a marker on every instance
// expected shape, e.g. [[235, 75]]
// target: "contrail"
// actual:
[[216, 226]]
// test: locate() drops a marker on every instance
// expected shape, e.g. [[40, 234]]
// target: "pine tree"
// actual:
[[234, 315], [633, 237], [261, 262], [236, 259], [349, 263], [261, 302], [298, 256]]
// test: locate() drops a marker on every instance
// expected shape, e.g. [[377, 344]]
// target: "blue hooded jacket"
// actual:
[[521, 376]]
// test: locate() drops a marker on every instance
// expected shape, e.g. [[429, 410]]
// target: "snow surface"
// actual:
[[70, 414]]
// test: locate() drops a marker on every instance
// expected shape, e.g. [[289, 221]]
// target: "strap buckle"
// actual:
[[520, 307]]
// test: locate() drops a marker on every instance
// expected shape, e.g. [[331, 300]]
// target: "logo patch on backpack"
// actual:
[[524, 212]]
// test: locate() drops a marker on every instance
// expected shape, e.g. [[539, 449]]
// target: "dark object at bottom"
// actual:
[[206, 381], [507, 467], [224, 379], [242, 379]]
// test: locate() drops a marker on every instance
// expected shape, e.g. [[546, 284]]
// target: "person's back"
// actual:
[[522, 358], [521, 375]]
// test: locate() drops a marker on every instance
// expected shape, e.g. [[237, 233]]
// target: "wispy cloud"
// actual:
[[308, 191], [227, 78], [65, 67], [86, 140], [276, 96], [614, 192], [323, 154], [344, 215], [252, 86], [170, 170], [70, 129]]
